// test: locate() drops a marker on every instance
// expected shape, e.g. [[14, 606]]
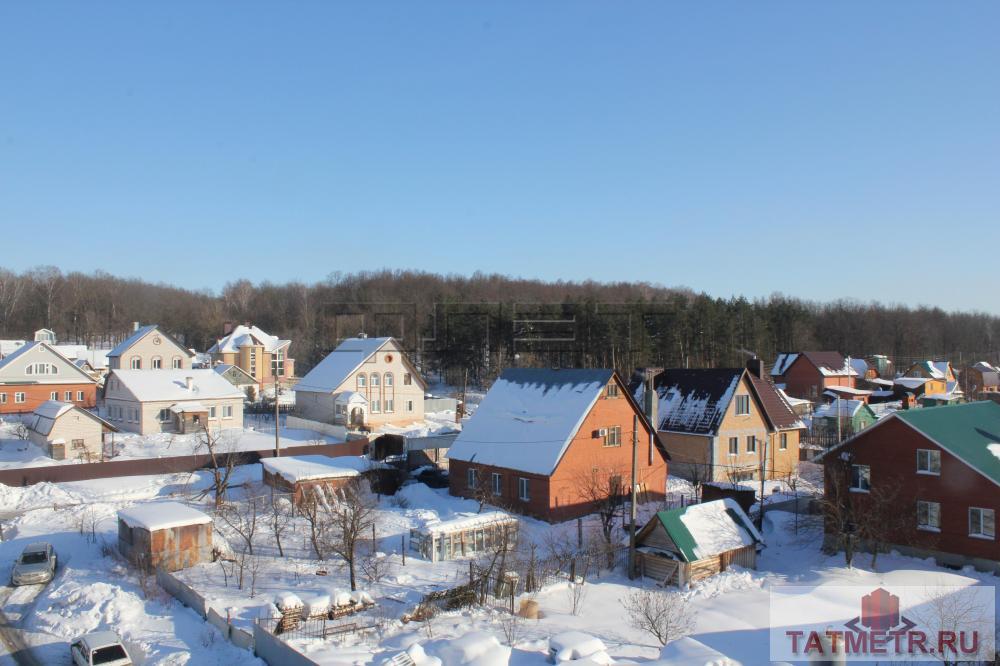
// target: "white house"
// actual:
[[363, 382], [149, 348], [64, 431], [181, 401]]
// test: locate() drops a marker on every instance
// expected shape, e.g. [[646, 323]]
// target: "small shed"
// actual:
[[298, 475], [64, 431], [684, 545], [854, 415], [164, 535], [467, 534]]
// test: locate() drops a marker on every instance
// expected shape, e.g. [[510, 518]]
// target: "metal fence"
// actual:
[[322, 627]]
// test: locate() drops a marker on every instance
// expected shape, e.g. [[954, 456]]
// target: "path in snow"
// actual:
[[14, 644]]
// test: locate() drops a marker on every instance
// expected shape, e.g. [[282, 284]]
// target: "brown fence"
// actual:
[[28, 476]]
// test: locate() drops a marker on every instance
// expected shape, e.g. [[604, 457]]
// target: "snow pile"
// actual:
[[994, 449], [715, 531], [154, 516], [733, 579], [362, 597], [287, 601], [340, 597], [317, 605], [687, 651], [476, 648], [577, 645]]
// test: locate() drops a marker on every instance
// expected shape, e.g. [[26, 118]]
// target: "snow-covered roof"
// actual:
[[171, 385], [348, 397], [912, 382], [528, 418], [847, 408], [45, 416], [154, 516], [304, 468], [189, 407], [139, 334], [794, 402], [339, 364], [707, 529], [244, 336], [692, 400], [468, 521], [846, 390], [20, 351], [687, 651], [53, 409], [9, 346], [782, 363], [860, 366]]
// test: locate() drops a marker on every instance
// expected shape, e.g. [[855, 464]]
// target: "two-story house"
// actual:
[[364, 382], [149, 348], [551, 443], [942, 468], [808, 374], [724, 424], [264, 357], [35, 373]]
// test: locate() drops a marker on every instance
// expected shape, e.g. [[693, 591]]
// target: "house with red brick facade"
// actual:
[[808, 374], [942, 467], [545, 442], [35, 373]]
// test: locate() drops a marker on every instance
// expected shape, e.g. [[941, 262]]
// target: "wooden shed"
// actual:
[[164, 535], [64, 431], [298, 475], [684, 545], [450, 539]]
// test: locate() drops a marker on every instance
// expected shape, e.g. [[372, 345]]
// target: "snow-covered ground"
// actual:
[[95, 590]]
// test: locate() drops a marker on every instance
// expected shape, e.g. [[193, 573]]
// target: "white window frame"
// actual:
[[864, 479], [67, 396], [54, 395], [783, 441], [496, 482], [19, 398], [175, 363], [227, 411], [157, 363], [211, 412], [409, 405], [471, 477], [80, 396], [931, 455], [523, 489], [734, 446], [982, 532], [164, 415], [135, 363], [612, 390], [743, 405], [932, 511], [3, 398], [362, 380], [751, 441], [614, 437]]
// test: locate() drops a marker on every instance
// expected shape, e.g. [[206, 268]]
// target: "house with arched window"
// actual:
[[364, 382], [149, 348]]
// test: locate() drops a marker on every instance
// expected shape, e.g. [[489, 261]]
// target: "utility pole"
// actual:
[[277, 426], [763, 474], [632, 511]]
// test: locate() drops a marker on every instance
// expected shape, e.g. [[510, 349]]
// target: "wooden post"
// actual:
[[572, 570], [402, 546], [471, 575], [579, 532]]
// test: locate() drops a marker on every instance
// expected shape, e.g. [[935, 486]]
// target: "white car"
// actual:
[[100, 648]]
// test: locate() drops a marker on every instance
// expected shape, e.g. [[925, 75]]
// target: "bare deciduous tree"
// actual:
[[345, 522], [223, 457], [242, 517], [665, 615], [279, 517], [604, 490]]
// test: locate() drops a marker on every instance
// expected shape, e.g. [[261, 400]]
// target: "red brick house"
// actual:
[[808, 374], [945, 461], [36, 373], [542, 440]]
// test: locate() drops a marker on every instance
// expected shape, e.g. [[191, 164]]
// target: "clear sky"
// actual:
[[819, 149]]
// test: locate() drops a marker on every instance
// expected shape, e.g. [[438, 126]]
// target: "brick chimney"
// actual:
[[756, 366], [650, 399], [189, 383], [227, 328]]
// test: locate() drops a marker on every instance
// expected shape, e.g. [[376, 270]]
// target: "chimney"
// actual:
[[189, 383], [135, 326], [650, 399], [227, 328], [756, 366]]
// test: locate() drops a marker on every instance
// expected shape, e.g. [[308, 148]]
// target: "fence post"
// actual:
[[511, 599], [471, 576], [402, 545], [572, 570], [579, 532]]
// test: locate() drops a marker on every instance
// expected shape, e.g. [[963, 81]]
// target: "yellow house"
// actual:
[[260, 355], [149, 348]]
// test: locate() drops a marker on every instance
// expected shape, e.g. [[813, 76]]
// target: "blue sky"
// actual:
[[824, 150]]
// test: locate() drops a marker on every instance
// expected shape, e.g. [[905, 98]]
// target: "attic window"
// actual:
[[742, 405], [612, 390]]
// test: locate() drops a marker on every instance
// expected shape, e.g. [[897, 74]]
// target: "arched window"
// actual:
[[157, 363], [176, 363], [362, 380], [135, 363], [375, 379], [388, 379], [389, 403]]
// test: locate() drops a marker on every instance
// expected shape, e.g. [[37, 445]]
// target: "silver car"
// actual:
[[100, 648], [37, 564]]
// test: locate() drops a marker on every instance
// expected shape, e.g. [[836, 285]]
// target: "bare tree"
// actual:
[[839, 519], [345, 522], [312, 508], [884, 520], [223, 461], [242, 517], [964, 613], [605, 491], [279, 518], [665, 615]]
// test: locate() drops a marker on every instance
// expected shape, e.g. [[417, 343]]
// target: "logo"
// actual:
[[905, 623]]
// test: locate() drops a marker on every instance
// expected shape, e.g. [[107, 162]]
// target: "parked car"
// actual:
[[37, 564], [102, 648]]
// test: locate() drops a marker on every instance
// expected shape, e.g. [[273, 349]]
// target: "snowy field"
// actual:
[[93, 589]]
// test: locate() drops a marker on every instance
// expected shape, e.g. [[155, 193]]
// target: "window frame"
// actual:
[[471, 477], [496, 484], [929, 471], [751, 443], [783, 441], [135, 363], [863, 479], [928, 505], [742, 405], [734, 446], [612, 391], [524, 489], [981, 534]]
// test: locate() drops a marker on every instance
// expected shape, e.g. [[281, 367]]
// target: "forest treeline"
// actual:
[[476, 325]]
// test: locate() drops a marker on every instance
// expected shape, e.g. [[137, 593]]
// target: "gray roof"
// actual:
[[141, 333]]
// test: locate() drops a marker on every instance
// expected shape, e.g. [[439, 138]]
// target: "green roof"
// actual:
[[966, 431], [686, 542]]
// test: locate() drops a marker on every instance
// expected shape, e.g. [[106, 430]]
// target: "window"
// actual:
[[41, 369], [783, 441], [861, 478], [734, 446], [164, 415], [407, 379], [135, 363], [981, 523], [157, 363], [253, 362], [67, 396], [79, 396], [523, 490], [742, 405], [362, 380], [409, 405], [388, 405], [211, 412], [388, 379], [176, 363], [614, 436], [928, 462], [375, 380], [471, 477], [227, 411], [3, 398], [376, 402], [54, 395], [751, 444], [928, 516], [18, 397], [497, 484], [613, 390], [278, 363], [77, 444]]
